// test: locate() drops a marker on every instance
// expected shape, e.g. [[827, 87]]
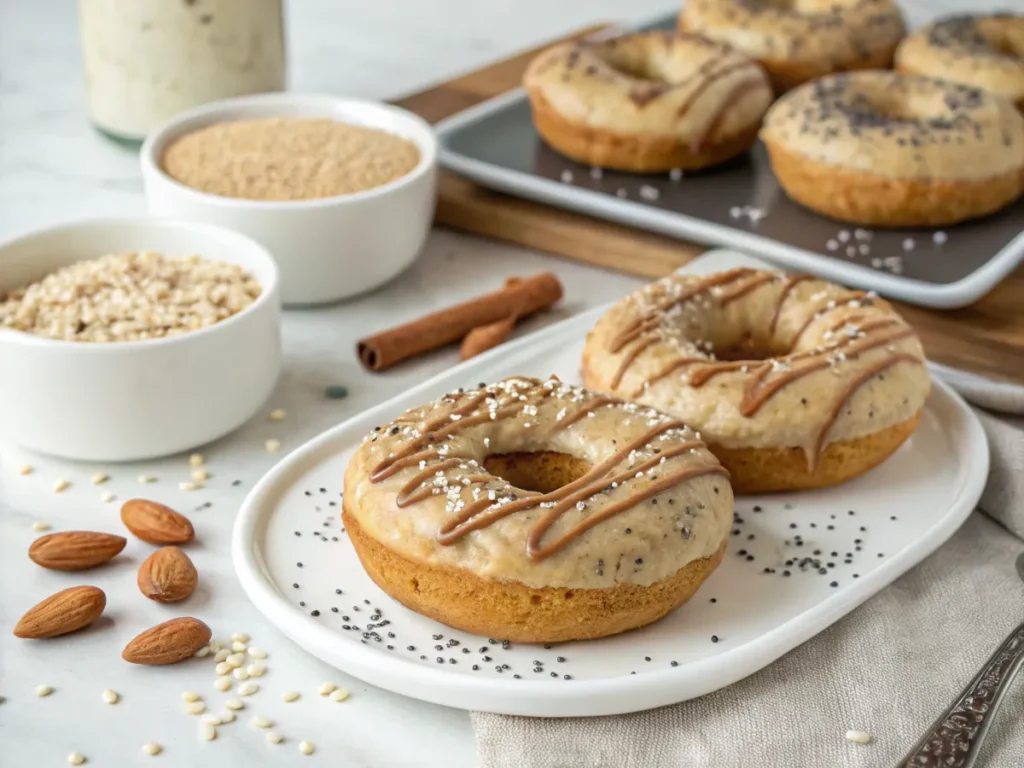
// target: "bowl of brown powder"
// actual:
[[340, 191]]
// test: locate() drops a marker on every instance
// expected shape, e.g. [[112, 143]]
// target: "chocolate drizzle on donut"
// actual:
[[488, 406], [766, 378]]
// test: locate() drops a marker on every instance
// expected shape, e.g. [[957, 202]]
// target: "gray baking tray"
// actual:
[[739, 205]]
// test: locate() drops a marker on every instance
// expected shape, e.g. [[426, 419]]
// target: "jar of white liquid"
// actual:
[[147, 60]]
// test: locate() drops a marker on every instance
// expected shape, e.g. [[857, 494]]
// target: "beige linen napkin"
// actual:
[[889, 668]]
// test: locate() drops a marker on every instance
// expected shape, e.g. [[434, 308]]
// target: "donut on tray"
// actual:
[[535, 511], [800, 41], [792, 382], [647, 102], [984, 51], [889, 149]]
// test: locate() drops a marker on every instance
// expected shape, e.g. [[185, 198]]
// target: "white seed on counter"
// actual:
[[240, 674], [240, 637], [239, 646], [25, 469], [256, 669], [76, 758], [858, 737], [339, 695], [223, 668], [291, 696], [277, 414], [146, 479], [261, 722], [190, 696], [196, 460], [43, 690], [188, 485], [327, 688], [111, 697], [222, 654], [60, 485], [207, 732], [200, 475], [248, 689], [257, 653], [228, 717], [195, 708], [273, 737], [235, 659], [213, 719], [272, 445], [306, 747], [100, 478], [39, 527], [235, 704], [222, 683], [107, 497], [202, 652], [151, 748]]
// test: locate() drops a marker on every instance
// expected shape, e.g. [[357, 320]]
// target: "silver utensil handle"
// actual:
[[955, 738]]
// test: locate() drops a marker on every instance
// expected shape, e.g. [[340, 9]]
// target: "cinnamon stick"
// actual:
[[516, 299], [485, 337]]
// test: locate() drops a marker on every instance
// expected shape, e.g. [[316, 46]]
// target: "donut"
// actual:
[[792, 382], [984, 51], [798, 42], [647, 102], [889, 149], [537, 512]]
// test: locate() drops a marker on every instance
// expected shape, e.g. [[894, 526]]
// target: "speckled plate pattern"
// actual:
[[796, 563]]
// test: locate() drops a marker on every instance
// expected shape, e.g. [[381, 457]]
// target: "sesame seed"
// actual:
[[76, 758], [306, 747], [272, 445], [40, 527], [273, 737], [290, 696], [110, 697], [99, 478], [327, 689], [261, 722], [277, 414], [207, 732], [60, 485], [146, 479], [43, 690], [339, 694], [858, 737], [25, 469], [234, 704], [152, 748]]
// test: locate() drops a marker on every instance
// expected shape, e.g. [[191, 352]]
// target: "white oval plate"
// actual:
[[291, 556]]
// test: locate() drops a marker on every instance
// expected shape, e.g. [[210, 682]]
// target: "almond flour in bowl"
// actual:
[[284, 159], [129, 297]]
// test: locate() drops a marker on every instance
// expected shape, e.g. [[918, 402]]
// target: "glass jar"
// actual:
[[147, 60]]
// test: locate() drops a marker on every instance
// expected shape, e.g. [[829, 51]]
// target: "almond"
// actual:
[[67, 611], [168, 643], [167, 576], [156, 523], [75, 550]]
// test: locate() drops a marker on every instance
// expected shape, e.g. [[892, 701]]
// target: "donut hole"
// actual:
[[747, 347], [644, 68], [540, 472]]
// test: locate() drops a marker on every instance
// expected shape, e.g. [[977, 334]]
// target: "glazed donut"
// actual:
[[800, 41], [896, 150], [535, 511], [793, 382], [647, 102], [984, 51]]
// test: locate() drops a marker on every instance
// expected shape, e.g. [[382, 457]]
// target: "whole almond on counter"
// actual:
[[67, 611], [75, 550], [168, 643], [155, 523], [167, 576]]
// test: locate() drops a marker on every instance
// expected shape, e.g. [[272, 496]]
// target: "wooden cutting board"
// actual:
[[985, 338]]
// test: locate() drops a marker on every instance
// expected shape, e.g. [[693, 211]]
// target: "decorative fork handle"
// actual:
[[955, 738]]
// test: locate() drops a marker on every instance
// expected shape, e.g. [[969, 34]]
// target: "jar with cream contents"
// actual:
[[147, 60]]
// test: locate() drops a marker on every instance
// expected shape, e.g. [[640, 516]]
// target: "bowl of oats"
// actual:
[[128, 339], [340, 191]]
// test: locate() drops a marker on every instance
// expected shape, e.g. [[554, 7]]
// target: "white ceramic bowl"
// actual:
[[329, 248], [123, 401]]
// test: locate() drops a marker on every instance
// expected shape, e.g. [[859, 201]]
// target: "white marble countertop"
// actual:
[[53, 167]]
